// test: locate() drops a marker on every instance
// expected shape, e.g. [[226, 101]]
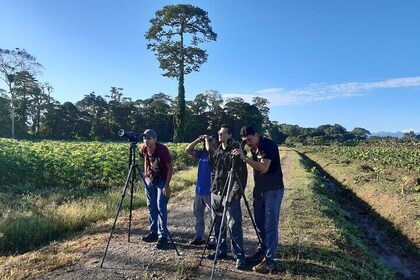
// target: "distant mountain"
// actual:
[[398, 134]]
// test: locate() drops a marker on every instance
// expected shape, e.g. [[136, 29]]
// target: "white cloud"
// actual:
[[317, 92]]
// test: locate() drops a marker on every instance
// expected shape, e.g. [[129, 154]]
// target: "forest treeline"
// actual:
[[39, 116], [28, 110]]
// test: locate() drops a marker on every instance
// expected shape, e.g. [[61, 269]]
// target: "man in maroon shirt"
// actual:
[[158, 174]]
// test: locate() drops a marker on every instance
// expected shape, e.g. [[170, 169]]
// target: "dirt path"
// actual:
[[140, 260]]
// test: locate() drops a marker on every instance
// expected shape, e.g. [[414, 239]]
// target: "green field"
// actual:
[[51, 189], [54, 190]]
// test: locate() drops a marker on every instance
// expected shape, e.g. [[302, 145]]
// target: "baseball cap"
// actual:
[[149, 133]]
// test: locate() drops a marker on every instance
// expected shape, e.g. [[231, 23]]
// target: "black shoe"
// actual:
[[151, 237], [256, 257], [198, 241], [161, 243], [219, 256], [211, 246], [240, 264]]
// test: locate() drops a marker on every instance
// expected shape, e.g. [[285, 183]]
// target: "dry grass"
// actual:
[[383, 195]]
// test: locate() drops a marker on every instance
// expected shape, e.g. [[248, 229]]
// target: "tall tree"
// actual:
[[240, 113], [95, 108], [360, 133], [156, 114], [168, 34], [4, 116], [216, 113], [262, 104], [13, 62]]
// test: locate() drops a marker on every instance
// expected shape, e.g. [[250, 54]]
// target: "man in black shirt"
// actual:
[[267, 193], [222, 162]]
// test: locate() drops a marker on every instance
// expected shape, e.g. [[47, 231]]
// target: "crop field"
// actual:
[[404, 158], [70, 164], [49, 189]]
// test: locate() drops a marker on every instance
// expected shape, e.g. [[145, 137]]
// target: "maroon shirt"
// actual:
[[157, 162]]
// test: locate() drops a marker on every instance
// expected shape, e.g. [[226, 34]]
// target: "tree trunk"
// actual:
[[179, 135], [12, 109]]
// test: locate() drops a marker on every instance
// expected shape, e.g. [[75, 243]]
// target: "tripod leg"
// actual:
[[131, 202], [257, 232], [118, 211], [207, 241], [221, 231], [160, 214]]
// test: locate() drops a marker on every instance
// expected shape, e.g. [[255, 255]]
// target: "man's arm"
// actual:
[[166, 189], [208, 144], [190, 148], [260, 166], [144, 159]]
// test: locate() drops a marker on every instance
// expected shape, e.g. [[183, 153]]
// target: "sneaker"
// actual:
[[263, 267], [219, 256], [256, 257], [161, 243], [240, 264], [198, 241], [151, 237]]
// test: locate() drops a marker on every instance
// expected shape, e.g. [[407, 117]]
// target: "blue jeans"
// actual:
[[267, 214], [234, 216], [157, 202]]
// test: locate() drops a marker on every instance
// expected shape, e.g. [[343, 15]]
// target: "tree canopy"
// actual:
[[174, 35]]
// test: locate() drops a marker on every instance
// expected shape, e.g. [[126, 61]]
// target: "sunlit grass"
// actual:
[[317, 240], [387, 194], [36, 219]]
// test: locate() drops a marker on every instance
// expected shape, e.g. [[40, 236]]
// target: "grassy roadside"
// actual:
[[382, 190], [33, 220], [317, 240], [81, 225]]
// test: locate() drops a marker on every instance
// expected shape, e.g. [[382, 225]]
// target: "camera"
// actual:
[[235, 144], [131, 136]]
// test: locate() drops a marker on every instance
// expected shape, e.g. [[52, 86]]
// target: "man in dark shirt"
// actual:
[[222, 161], [158, 174], [268, 194]]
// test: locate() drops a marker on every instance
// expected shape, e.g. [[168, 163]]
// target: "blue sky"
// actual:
[[355, 63]]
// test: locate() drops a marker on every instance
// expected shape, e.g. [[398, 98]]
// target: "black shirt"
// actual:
[[221, 165], [273, 178]]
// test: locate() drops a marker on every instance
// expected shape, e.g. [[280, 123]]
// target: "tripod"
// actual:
[[134, 169], [226, 196]]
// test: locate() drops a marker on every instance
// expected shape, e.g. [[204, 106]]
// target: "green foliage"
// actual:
[[168, 35], [52, 189], [401, 157], [28, 164]]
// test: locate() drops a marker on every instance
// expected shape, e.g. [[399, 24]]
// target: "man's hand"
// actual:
[[166, 191], [239, 152]]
